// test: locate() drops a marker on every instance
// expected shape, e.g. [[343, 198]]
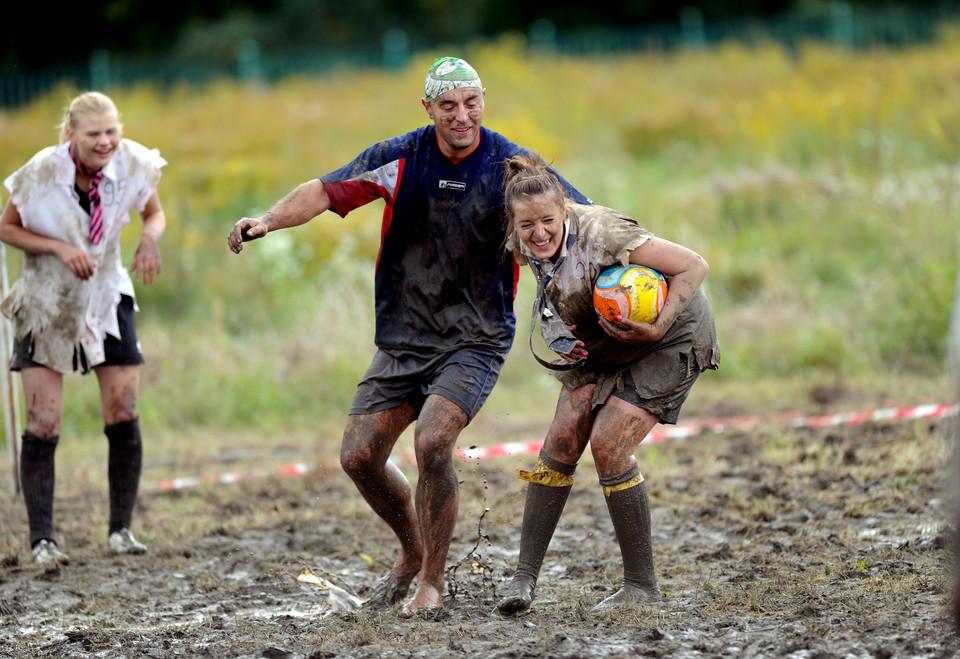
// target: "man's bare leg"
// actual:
[[368, 440], [438, 496]]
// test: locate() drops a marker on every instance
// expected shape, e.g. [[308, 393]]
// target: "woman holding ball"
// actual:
[[619, 377], [73, 306]]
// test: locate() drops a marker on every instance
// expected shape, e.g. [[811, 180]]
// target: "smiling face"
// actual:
[[96, 137], [457, 114], [539, 222]]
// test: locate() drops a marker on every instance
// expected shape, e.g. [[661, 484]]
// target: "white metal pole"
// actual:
[[10, 389]]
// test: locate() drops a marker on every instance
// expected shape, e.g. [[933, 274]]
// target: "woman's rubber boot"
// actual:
[[547, 492], [629, 507]]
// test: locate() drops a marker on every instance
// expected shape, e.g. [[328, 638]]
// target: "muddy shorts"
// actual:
[[118, 352], [667, 407], [659, 383], [465, 377]]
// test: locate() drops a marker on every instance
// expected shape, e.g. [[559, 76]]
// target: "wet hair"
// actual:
[[527, 176], [93, 103]]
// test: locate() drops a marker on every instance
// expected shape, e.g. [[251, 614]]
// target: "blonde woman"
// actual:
[[619, 378], [73, 306]]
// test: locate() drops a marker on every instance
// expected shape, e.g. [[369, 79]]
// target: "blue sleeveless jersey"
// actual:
[[443, 278]]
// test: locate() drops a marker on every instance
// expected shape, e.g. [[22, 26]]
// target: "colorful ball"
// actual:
[[635, 292]]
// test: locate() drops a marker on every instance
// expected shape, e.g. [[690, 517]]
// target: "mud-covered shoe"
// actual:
[[387, 592], [630, 594], [123, 542], [46, 552], [517, 596]]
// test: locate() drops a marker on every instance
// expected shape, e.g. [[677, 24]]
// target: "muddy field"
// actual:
[[770, 541]]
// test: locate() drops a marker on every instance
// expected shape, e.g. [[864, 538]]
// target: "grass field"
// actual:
[[821, 186]]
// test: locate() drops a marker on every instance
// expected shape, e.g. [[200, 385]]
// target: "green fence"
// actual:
[[844, 26]]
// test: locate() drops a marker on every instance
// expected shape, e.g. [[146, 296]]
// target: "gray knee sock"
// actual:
[[629, 507], [547, 493]]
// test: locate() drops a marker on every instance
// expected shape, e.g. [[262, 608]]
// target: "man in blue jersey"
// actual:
[[444, 289]]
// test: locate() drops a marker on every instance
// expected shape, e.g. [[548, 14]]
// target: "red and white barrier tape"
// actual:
[[297, 469], [697, 426], [687, 429]]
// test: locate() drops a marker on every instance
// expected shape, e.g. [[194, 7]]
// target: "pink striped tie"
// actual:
[[96, 212]]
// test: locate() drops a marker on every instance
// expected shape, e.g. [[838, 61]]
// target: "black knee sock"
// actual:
[[629, 507], [123, 470], [37, 477], [547, 493]]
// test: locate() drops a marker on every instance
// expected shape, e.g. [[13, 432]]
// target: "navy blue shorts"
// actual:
[[465, 377], [118, 352]]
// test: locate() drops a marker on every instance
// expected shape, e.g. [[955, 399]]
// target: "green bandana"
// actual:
[[449, 73]]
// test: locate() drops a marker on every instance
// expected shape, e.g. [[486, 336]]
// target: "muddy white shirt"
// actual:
[[63, 312]]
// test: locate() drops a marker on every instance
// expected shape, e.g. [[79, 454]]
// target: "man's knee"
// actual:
[[434, 456], [355, 463], [368, 440], [434, 450], [355, 454]]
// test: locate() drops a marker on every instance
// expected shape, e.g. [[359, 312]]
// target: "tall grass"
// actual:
[[821, 185]]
